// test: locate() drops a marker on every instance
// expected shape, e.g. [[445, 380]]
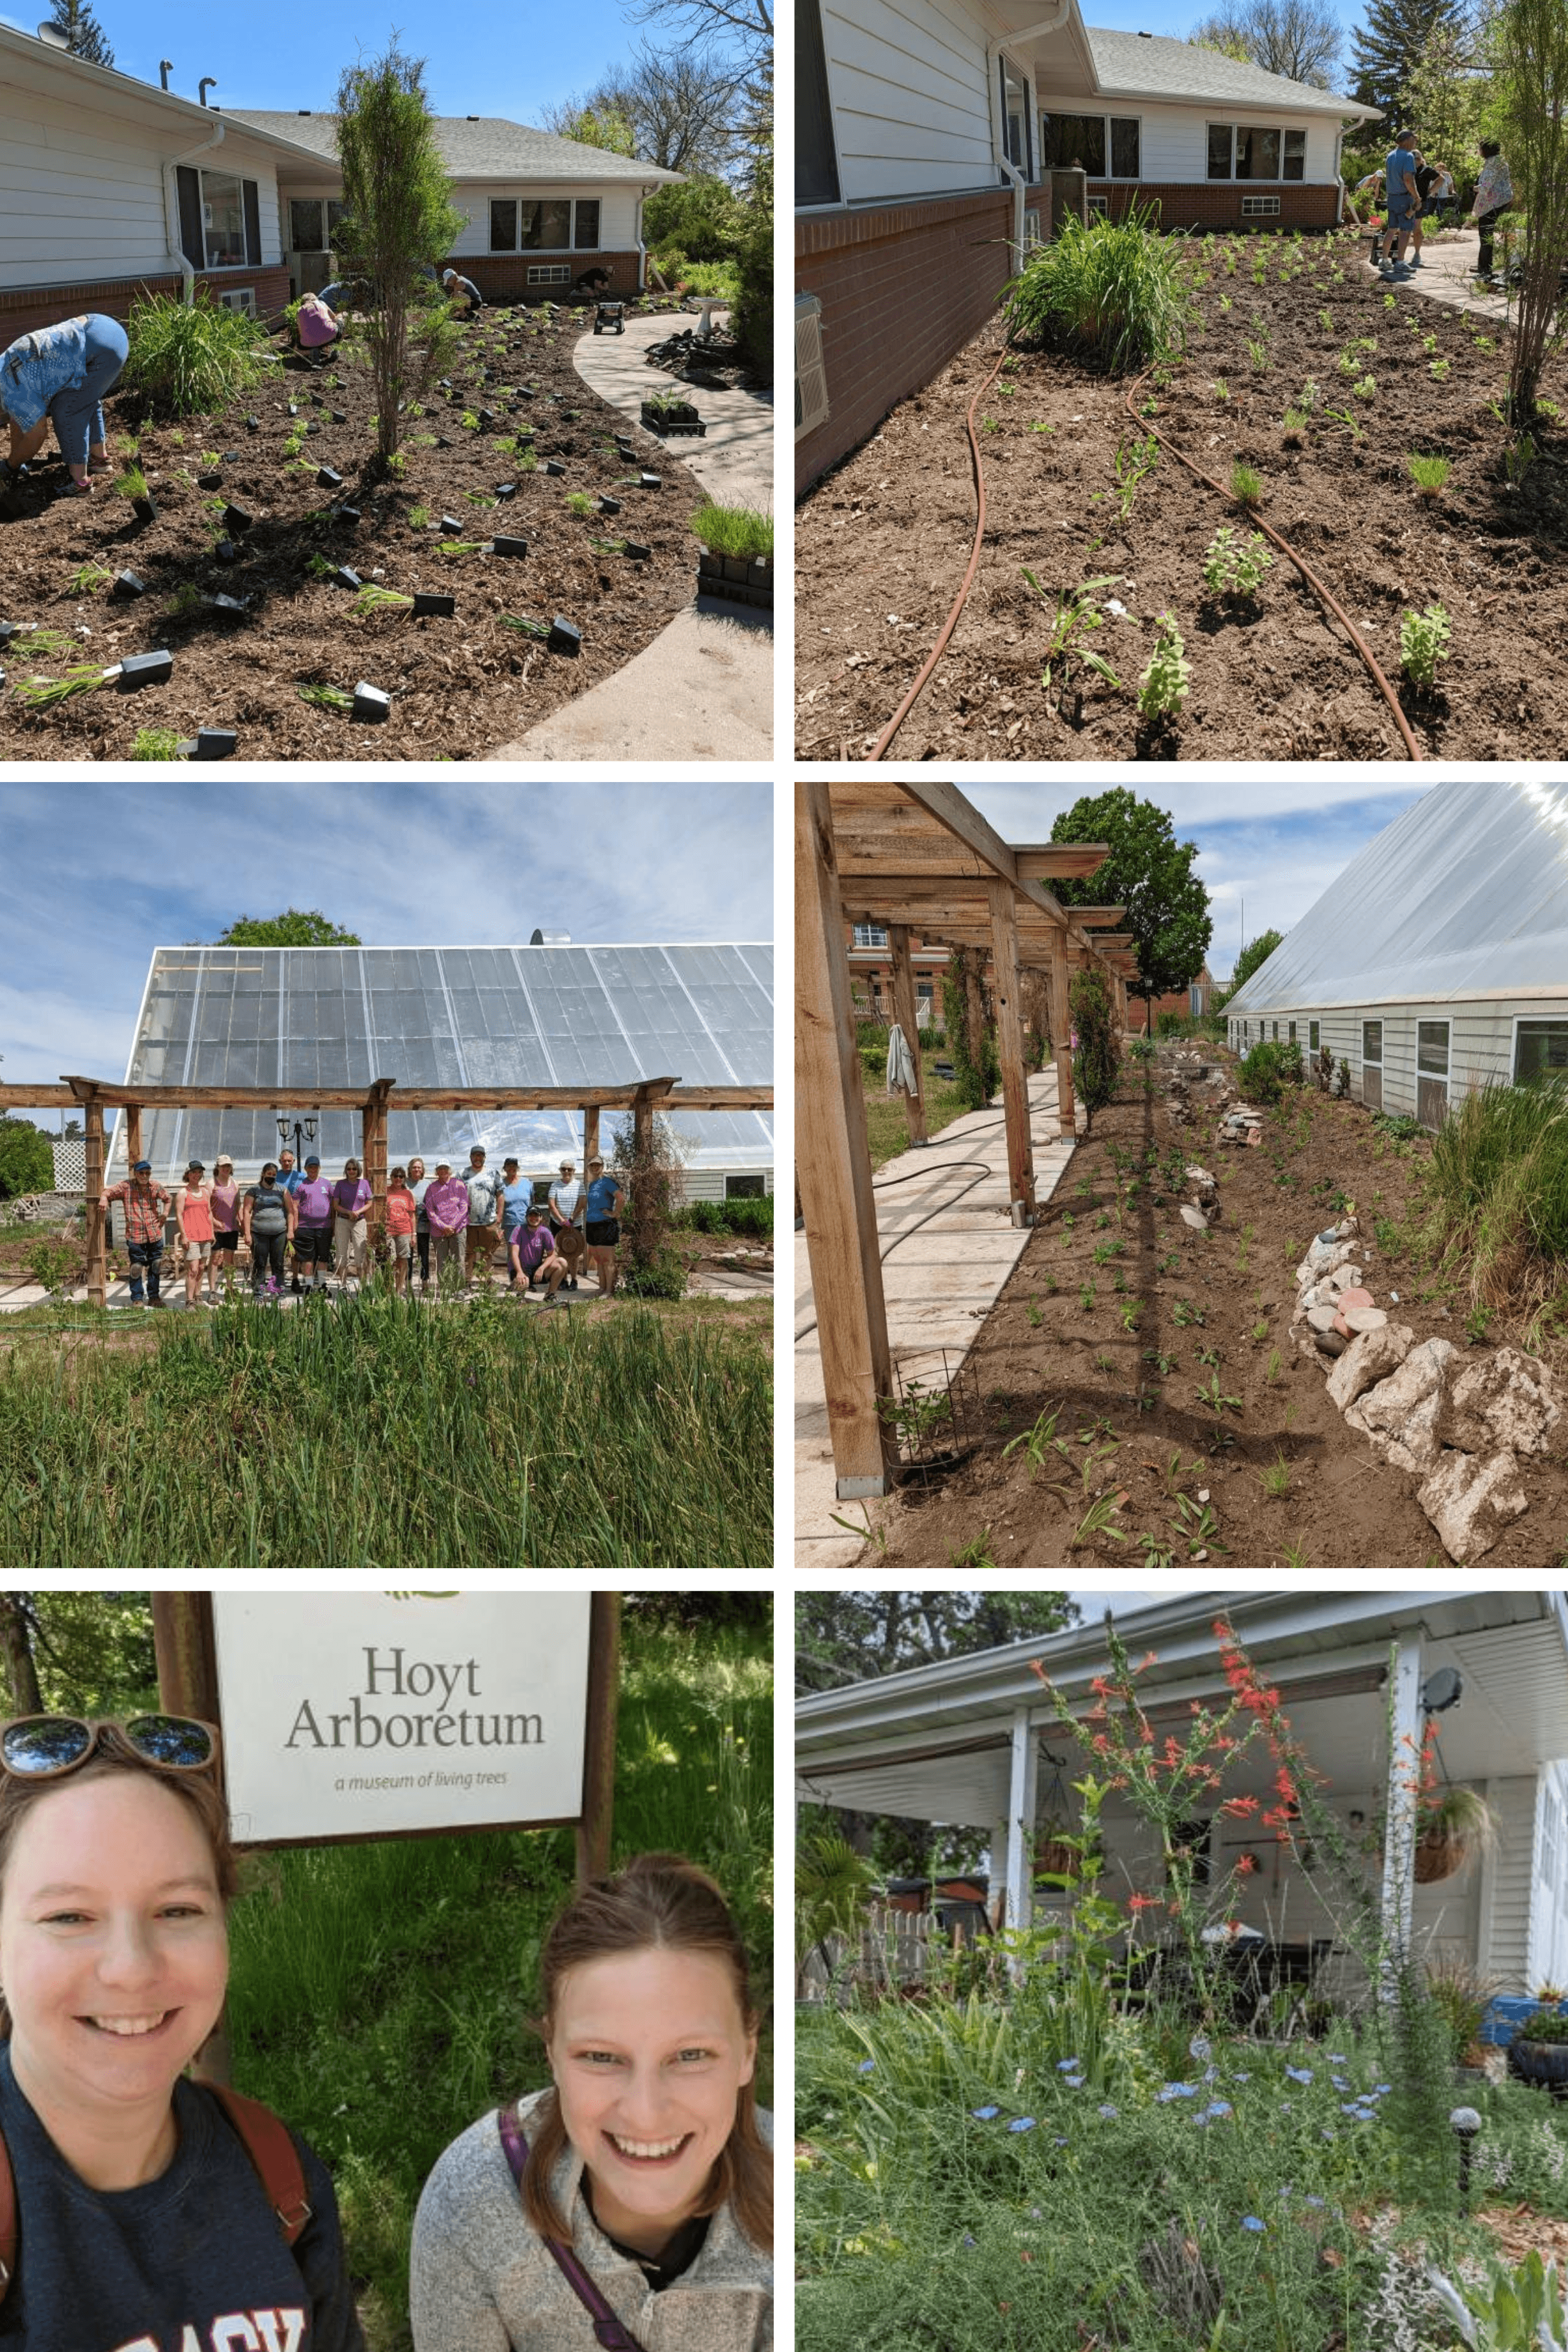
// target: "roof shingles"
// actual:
[[486, 147], [1154, 66]]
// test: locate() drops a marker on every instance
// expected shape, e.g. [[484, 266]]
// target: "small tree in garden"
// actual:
[[654, 1182], [1097, 1056], [1532, 60], [971, 1035], [398, 219], [26, 1160]]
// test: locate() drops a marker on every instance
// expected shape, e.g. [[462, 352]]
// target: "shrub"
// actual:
[[976, 1080], [1423, 644], [1112, 288], [720, 279], [191, 358], [1097, 1056], [26, 1160], [751, 318], [733, 530], [1269, 1068], [742, 1216]]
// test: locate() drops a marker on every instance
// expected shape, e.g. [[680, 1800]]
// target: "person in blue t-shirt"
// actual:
[[1404, 204], [289, 1180], [516, 1191], [603, 1230]]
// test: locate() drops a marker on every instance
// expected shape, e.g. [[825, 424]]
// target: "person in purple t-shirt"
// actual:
[[313, 1229], [351, 1229], [535, 1258]]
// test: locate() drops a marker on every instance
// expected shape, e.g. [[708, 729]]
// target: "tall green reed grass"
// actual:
[[191, 358], [370, 1432], [1497, 1188], [1112, 290]]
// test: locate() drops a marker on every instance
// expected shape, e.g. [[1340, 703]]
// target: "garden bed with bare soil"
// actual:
[[458, 686], [882, 542], [1170, 1403]]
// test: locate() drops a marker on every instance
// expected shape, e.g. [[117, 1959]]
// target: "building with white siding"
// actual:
[[1437, 961], [975, 1742], [110, 187], [926, 135]]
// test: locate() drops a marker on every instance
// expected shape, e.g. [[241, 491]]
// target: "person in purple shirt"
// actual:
[[350, 1229], [313, 1231], [535, 1258], [446, 1215]]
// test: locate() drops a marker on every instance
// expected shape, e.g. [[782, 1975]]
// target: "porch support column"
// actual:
[[1009, 1046], [133, 1135], [907, 1012], [832, 1157], [1484, 1894], [1023, 1789], [1404, 1783], [1060, 1035], [97, 1257]]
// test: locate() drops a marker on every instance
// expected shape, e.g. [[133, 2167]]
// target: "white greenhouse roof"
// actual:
[[301, 1019], [1464, 896]]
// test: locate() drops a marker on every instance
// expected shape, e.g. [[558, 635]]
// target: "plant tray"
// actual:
[[743, 580], [667, 420]]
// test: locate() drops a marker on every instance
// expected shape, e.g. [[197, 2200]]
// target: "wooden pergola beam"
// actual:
[[110, 1094]]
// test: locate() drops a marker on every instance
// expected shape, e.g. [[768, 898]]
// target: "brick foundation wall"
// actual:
[[504, 276], [901, 287], [24, 309], [1217, 204]]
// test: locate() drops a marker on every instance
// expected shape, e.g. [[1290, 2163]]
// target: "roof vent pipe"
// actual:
[[165, 68], [550, 940], [207, 82]]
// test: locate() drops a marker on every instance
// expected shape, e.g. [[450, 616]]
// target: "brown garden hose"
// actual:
[[1325, 595]]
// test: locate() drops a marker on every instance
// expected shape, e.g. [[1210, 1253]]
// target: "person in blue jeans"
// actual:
[[1404, 204], [60, 376]]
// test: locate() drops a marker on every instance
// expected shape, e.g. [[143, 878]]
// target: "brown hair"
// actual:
[[114, 1756], [659, 1902]]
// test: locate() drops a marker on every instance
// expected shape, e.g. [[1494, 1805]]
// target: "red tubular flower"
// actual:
[[1238, 1807], [1246, 1863]]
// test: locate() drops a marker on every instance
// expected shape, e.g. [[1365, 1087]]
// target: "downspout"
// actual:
[[1014, 177], [172, 206]]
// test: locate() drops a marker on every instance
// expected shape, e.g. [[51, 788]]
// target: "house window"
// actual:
[[1089, 143], [1248, 151], [1259, 207], [537, 224], [502, 224], [1292, 1035], [870, 935], [1275, 1033], [816, 158], [585, 226], [1015, 120], [1372, 1042], [549, 273], [305, 225], [745, 1188], [1125, 143], [1539, 1047], [220, 219], [1312, 1035], [1432, 1048]]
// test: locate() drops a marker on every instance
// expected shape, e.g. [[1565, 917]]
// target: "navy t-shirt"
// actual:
[[191, 2261]]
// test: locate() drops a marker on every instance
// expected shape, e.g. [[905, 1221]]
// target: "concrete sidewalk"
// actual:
[[703, 689], [1447, 275], [940, 1284]]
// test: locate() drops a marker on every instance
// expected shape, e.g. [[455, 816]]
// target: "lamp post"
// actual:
[[1464, 2124], [300, 1129]]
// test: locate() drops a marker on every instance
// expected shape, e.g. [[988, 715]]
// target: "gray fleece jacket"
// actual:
[[482, 2281]]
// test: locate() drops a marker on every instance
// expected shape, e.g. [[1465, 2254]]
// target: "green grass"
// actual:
[[192, 358], [733, 530], [1113, 288], [156, 743], [376, 1433], [886, 1124]]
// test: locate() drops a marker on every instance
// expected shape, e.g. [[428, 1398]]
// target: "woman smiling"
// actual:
[[632, 2201], [150, 2214]]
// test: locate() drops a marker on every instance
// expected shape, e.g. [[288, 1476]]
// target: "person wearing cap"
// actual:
[[484, 1228], [193, 1217], [225, 1215], [267, 1221], [350, 1232], [566, 1205], [535, 1258], [460, 292], [312, 1210], [516, 1191], [147, 1208], [602, 1228], [447, 1213], [1404, 204]]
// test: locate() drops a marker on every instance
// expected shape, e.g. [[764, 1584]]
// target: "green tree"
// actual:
[[1387, 45], [1097, 1056], [969, 1023], [700, 219], [1447, 95], [290, 929], [79, 1653], [599, 126], [398, 219], [1256, 952], [27, 1158], [752, 322], [1215, 34], [844, 1636], [84, 35], [1151, 873], [1531, 48]]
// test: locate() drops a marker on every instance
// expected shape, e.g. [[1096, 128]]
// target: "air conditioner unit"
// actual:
[[811, 407], [238, 298]]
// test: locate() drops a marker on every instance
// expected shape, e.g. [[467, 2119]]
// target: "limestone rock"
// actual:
[[1323, 1259], [1470, 1499], [1362, 1318], [1320, 1318], [1398, 1416], [1502, 1402], [1345, 1278], [1194, 1217], [1371, 1356]]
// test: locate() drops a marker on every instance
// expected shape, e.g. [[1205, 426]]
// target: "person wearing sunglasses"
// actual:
[[149, 2210], [632, 2201]]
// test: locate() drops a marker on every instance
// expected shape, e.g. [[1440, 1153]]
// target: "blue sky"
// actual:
[[93, 876], [1268, 846], [487, 60], [1175, 18]]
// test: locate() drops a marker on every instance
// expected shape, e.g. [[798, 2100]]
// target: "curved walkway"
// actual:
[[703, 689]]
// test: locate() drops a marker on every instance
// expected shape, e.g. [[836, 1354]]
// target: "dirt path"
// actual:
[[883, 541]]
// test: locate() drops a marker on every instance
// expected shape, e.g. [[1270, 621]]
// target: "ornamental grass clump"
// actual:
[[191, 358], [1112, 289], [1246, 485], [1429, 475], [741, 531]]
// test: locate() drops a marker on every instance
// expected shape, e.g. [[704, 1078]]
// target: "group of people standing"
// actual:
[[290, 1212], [1418, 188]]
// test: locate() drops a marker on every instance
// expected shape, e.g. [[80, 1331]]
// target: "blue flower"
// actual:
[[1108, 2111], [1200, 2048], [1300, 2073], [865, 2066], [1316, 2201], [1176, 2091], [1251, 2222], [1068, 2065], [1023, 2124], [1220, 2107], [983, 2115], [968, 2241], [1242, 2078]]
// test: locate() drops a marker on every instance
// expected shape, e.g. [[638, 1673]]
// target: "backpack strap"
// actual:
[[269, 2145], [7, 2220], [612, 2332]]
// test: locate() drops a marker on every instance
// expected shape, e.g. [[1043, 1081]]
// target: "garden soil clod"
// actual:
[[458, 686], [881, 541]]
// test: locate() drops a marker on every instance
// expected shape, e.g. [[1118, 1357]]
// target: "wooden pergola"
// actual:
[[914, 857], [95, 1095]]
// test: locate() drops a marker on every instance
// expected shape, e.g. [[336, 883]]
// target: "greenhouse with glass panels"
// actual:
[[1439, 960], [303, 1020]]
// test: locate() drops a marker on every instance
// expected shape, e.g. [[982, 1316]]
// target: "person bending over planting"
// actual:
[[60, 376]]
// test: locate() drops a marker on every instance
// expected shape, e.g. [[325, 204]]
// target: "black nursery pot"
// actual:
[[145, 510]]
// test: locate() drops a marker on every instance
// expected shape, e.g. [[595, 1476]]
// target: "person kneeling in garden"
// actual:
[[535, 1258], [60, 376]]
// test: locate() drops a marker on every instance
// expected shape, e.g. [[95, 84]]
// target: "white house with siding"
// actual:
[[926, 134], [974, 1741], [1438, 959]]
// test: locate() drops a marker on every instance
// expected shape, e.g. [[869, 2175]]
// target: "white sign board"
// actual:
[[361, 1714]]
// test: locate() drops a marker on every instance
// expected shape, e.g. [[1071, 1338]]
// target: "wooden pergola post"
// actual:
[[374, 1155], [1009, 1045], [97, 1255], [1061, 1036], [907, 1012], [589, 1136], [833, 1163]]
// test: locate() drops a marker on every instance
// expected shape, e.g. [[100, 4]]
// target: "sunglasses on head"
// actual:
[[43, 1747]]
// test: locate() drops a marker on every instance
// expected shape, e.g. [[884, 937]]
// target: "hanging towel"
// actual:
[[902, 1072]]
